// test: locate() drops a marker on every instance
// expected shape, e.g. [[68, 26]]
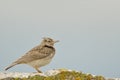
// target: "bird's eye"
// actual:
[[49, 41]]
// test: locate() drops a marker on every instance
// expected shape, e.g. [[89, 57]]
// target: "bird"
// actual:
[[38, 56]]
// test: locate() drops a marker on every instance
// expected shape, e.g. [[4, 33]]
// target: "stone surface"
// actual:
[[6, 75], [26, 75]]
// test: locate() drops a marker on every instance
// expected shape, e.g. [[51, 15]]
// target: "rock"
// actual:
[[61, 74]]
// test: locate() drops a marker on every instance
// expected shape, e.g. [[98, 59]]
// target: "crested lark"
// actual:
[[39, 56]]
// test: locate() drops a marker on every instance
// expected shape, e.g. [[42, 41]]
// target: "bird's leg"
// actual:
[[38, 70]]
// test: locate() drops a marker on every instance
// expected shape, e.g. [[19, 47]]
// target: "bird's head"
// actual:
[[48, 41]]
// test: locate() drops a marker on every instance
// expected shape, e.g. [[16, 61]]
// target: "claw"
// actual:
[[38, 70]]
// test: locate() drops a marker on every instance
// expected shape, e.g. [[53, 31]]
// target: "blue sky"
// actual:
[[89, 33]]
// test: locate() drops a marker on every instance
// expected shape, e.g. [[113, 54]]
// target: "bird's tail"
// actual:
[[13, 64]]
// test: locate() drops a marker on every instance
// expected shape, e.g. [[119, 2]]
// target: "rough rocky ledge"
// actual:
[[58, 74]]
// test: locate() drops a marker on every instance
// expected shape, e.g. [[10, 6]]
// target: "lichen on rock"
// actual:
[[58, 74]]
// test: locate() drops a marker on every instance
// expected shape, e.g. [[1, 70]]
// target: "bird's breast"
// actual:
[[41, 62]]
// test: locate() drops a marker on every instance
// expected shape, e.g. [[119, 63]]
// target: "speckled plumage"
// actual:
[[39, 56]]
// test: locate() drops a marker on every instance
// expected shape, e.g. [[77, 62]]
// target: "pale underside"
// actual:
[[41, 62]]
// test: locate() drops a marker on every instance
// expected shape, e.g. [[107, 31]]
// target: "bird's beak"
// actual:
[[56, 41]]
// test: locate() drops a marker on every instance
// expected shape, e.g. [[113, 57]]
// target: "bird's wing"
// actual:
[[35, 54]]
